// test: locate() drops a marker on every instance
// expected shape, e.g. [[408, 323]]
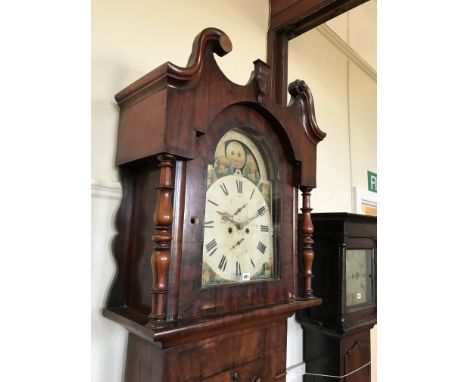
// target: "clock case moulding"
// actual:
[[165, 117]]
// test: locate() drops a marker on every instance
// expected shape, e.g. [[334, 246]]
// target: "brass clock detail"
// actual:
[[206, 251]]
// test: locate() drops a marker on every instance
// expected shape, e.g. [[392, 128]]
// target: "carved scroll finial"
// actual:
[[296, 88], [307, 230], [209, 41], [210, 38], [300, 92], [161, 256], [262, 76]]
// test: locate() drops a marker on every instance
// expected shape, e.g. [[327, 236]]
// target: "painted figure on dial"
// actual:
[[236, 158], [238, 226]]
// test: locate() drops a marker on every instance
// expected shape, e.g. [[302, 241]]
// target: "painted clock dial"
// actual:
[[358, 276], [238, 243]]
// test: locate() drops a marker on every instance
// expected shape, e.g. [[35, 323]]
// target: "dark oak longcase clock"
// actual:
[[337, 333], [207, 250]]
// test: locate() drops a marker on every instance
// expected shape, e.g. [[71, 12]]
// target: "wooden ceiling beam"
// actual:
[[299, 16]]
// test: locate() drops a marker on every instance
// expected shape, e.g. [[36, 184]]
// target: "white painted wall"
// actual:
[[346, 109], [130, 38], [358, 28], [345, 106], [108, 341], [313, 59]]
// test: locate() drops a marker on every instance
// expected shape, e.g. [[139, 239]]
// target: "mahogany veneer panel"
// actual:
[[254, 352]]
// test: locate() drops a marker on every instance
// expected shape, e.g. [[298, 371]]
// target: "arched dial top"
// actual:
[[238, 240]]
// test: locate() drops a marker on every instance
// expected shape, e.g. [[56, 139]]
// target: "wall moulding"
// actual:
[[105, 189], [343, 47]]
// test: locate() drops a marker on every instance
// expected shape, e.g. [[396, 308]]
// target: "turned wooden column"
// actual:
[[307, 230], [161, 256]]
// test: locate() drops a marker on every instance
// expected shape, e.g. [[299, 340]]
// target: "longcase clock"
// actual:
[[337, 333], [207, 248]]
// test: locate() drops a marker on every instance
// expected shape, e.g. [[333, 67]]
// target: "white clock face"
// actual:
[[238, 241], [358, 276]]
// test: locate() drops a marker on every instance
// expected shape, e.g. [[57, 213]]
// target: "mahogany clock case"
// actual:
[[334, 234], [170, 123], [194, 301]]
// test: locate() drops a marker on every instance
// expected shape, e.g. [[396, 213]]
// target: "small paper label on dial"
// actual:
[[245, 276]]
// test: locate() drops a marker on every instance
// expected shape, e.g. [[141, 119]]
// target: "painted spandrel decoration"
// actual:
[[238, 228]]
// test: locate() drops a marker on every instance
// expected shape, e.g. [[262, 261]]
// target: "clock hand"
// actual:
[[240, 209], [237, 243], [243, 224], [227, 218]]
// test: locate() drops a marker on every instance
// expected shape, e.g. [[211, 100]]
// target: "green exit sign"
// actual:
[[372, 181]]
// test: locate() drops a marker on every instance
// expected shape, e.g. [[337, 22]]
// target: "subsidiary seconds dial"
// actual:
[[238, 231]]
